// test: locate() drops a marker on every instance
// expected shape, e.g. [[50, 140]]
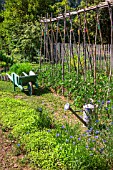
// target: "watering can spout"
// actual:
[[87, 113]]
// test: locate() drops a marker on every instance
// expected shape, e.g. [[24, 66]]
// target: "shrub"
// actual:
[[6, 59]]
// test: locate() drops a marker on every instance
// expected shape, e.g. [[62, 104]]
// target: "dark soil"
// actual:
[[9, 160]]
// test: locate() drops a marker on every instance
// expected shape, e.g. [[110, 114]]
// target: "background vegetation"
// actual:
[[20, 26]]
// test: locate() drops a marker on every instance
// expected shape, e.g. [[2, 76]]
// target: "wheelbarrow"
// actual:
[[25, 80]]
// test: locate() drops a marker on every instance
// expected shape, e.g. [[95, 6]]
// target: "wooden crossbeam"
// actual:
[[68, 14]]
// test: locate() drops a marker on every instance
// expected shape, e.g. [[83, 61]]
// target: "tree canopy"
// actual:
[[20, 27]]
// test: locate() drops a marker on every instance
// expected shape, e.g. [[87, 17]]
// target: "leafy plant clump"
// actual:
[[18, 68]]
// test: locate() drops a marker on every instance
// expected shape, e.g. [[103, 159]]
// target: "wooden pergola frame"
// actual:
[[68, 14], [101, 5]]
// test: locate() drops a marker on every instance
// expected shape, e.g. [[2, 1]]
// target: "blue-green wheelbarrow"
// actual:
[[25, 80]]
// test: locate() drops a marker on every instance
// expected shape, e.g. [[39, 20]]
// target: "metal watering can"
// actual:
[[87, 110]]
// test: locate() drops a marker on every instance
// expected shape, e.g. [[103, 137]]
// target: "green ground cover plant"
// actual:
[[61, 146]]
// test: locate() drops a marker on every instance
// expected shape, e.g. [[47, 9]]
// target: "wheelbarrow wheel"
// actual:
[[30, 88]]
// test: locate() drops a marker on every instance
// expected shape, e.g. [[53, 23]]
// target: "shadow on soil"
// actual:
[[8, 87], [39, 91]]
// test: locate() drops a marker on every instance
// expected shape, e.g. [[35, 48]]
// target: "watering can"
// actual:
[[87, 113]]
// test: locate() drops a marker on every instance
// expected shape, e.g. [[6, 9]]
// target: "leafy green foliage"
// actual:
[[75, 86], [20, 29], [5, 59], [75, 61], [21, 67], [2, 64], [27, 44]]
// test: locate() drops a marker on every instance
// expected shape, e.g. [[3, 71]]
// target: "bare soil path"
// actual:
[[8, 159]]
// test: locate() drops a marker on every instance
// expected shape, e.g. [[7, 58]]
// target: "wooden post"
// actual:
[[111, 50], [102, 45], [70, 46], [44, 42], [56, 52], [42, 33], [51, 45], [63, 53], [47, 40], [84, 46], [95, 52], [89, 49], [79, 32]]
